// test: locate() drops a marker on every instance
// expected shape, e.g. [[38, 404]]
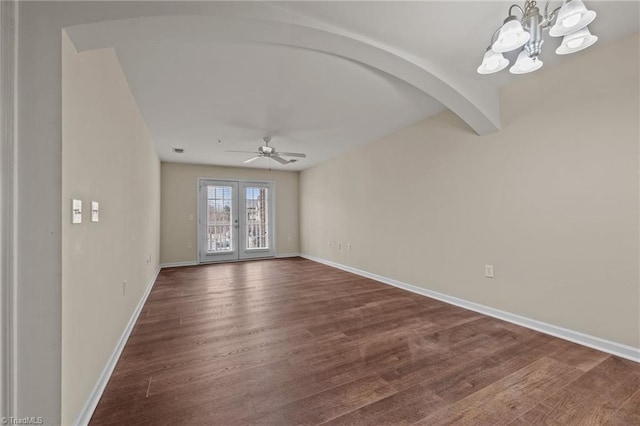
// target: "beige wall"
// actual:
[[552, 200], [179, 204], [107, 156]]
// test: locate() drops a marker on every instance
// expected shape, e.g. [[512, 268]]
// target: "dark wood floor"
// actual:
[[290, 341]]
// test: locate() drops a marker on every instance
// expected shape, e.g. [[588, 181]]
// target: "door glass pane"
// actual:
[[257, 230], [219, 218]]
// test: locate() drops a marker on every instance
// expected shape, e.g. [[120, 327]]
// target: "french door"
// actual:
[[235, 220]]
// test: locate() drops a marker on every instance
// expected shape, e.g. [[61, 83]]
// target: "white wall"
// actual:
[[8, 78], [38, 298], [38, 168], [179, 202], [107, 156], [551, 200]]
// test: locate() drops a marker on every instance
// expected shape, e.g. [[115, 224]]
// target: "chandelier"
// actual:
[[569, 21]]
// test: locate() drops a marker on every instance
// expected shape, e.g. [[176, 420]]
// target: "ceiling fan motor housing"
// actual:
[[267, 150]]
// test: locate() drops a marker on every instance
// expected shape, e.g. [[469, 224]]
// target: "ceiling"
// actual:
[[319, 77], [237, 93]]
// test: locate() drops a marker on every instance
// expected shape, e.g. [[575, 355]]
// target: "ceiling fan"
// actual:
[[266, 151]]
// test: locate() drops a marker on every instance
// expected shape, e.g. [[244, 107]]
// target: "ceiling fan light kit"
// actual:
[[569, 21]]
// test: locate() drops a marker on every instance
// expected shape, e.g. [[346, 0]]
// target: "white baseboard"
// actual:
[[623, 351], [175, 264], [94, 397], [283, 255]]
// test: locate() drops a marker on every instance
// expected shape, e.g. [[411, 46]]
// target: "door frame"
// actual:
[[242, 254]]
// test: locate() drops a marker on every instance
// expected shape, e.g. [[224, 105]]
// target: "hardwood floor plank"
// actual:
[[505, 400], [576, 355], [290, 341], [466, 379], [628, 413], [441, 351], [402, 408], [593, 398], [329, 404]]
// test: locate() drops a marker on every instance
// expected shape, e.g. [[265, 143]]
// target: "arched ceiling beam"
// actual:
[[477, 105]]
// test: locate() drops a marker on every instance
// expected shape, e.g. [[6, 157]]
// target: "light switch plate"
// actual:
[[95, 211], [488, 271], [76, 211]]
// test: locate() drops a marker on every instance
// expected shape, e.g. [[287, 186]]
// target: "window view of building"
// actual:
[[257, 229], [219, 217]]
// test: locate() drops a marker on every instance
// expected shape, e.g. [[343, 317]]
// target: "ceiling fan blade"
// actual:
[[252, 159], [246, 152], [280, 160], [293, 154]]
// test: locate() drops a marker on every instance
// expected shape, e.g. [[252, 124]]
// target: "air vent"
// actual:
[[178, 150]]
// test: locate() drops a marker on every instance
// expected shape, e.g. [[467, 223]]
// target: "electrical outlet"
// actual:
[[488, 271], [124, 287], [190, 217], [339, 246], [329, 244], [148, 259], [349, 246], [189, 245]]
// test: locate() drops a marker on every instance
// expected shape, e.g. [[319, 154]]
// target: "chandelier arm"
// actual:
[[546, 8], [548, 17], [554, 14], [519, 8]]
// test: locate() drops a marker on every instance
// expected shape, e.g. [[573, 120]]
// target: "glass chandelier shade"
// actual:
[[492, 62], [576, 42], [525, 64], [512, 36], [572, 17]]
